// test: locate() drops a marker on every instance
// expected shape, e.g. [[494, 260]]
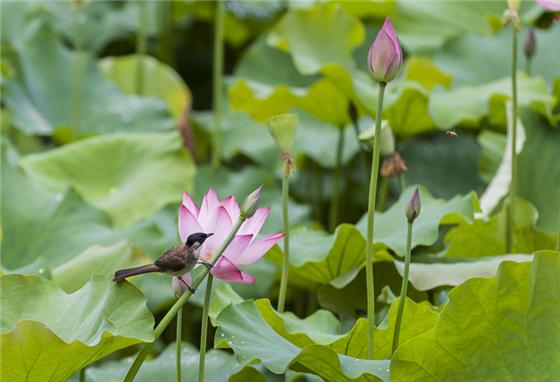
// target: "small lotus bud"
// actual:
[[251, 203], [530, 44], [283, 128], [513, 5], [385, 58], [180, 287], [413, 206]]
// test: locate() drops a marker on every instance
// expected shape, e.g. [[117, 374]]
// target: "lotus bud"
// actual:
[[283, 128], [180, 287], [385, 58], [251, 203], [413, 206], [530, 44]]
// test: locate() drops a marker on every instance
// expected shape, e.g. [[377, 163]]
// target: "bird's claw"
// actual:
[[206, 264], [190, 288]]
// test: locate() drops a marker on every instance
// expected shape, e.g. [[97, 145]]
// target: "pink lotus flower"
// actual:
[[385, 57], [219, 217], [551, 5]]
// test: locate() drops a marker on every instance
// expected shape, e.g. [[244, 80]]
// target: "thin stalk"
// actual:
[[402, 182], [178, 345], [558, 234], [404, 289], [383, 193], [141, 48], [286, 262], [528, 66], [371, 218], [204, 329], [335, 201], [166, 320], [513, 183], [83, 374], [218, 69]]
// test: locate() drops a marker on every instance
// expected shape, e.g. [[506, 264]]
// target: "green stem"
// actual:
[[166, 320], [528, 66], [558, 235], [141, 48], [83, 374], [371, 217], [333, 213], [178, 338], [402, 182], [404, 288], [513, 183], [218, 68], [286, 262], [79, 70], [383, 193], [204, 329]]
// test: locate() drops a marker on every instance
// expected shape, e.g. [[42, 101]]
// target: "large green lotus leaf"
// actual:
[[538, 176], [303, 33], [486, 237], [439, 271], [44, 93], [131, 176], [48, 334], [220, 367], [468, 105], [97, 259], [245, 329], [503, 328], [492, 146], [159, 80], [461, 57], [457, 174], [391, 225]]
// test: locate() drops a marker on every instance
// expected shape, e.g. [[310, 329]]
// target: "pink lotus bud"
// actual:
[[551, 5], [385, 57], [530, 44], [250, 203], [413, 206]]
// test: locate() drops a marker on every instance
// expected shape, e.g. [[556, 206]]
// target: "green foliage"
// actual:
[[41, 335], [500, 328]]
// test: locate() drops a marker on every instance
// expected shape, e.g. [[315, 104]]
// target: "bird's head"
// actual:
[[195, 240]]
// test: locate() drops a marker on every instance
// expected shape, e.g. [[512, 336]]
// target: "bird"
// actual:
[[176, 261]]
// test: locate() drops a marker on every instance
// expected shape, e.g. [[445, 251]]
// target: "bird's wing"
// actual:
[[172, 260]]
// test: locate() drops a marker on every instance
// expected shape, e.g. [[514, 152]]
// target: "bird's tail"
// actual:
[[122, 274]]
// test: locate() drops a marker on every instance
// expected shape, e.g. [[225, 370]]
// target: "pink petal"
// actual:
[[188, 224], [258, 249], [551, 5], [230, 204], [221, 228], [178, 286], [190, 204], [254, 224], [208, 210], [228, 271], [237, 246], [385, 54]]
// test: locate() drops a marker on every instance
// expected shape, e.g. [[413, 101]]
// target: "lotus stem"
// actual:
[[141, 48], [402, 182], [286, 260], [371, 219], [166, 320], [383, 193], [513, 183], [204, 329], [335, 201], [217, 75], [558, 234], [178, 337], [82, 377], [404, 288]]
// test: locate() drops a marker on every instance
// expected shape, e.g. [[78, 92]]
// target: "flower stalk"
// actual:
[[204, 329], [335, 201], [217, 80], [412, 211], [172, 312], [178, 337], [286, 219]]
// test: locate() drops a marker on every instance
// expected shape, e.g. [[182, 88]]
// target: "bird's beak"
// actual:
[[208, 235]]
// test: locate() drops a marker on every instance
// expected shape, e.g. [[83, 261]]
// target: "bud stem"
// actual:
[[166, 320], [204, 329], [371, 217], [217, 80], [178, 337], [286, 261], [404, 288], [513, 183], [335, 201]]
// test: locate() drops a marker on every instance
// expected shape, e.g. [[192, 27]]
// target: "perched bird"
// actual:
[[175, 261]]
